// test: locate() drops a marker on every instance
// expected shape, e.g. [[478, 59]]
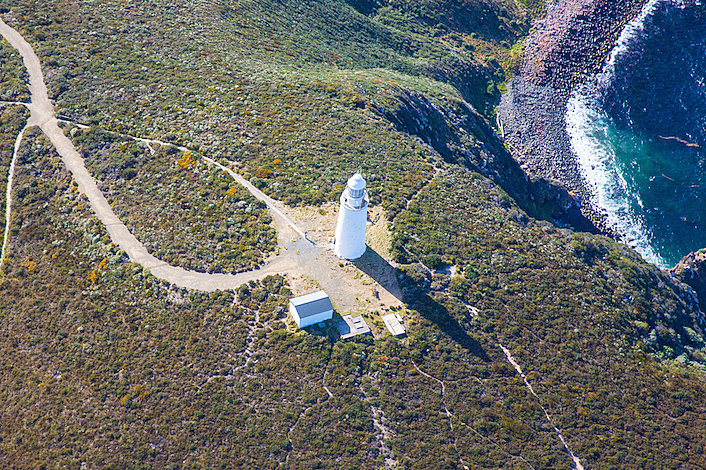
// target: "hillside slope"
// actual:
[[108, 366]]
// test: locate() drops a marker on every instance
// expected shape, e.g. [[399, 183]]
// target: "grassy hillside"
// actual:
[[244, 84], [185, 212], [108, 366]]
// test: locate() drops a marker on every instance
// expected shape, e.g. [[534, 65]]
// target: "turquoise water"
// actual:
[[639, 131]]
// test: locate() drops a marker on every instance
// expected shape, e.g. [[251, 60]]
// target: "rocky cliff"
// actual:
[[692, 271]]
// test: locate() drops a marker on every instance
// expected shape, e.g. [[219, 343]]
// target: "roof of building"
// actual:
[[393, 322], [311, 304], [356, 181], [350, 326]]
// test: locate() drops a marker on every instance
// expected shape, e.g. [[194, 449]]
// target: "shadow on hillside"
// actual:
[[441, 317], [380, 270]]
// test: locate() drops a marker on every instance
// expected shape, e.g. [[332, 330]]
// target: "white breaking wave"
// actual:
[[588, 128], [630, 32], [588, 131]]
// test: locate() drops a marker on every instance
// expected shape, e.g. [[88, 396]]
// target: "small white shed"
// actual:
[[311, 308], [394, 324]]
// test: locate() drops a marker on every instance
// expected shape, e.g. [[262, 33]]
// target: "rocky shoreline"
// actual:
[[567, 47]]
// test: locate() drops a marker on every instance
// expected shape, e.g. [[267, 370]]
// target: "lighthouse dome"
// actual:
[[356, 185], [356, 181]]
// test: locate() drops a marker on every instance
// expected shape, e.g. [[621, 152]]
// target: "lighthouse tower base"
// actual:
[[350, 232]]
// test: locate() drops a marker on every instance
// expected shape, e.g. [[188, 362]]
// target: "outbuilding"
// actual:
[[311, 308], [349, 326], [394, 324]]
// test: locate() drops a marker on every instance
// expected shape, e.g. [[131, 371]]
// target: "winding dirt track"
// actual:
[[8, 195], [576, 462], [298, 255], [43, 116]]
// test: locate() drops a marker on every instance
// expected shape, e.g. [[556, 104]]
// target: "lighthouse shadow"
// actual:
[[439, 314], [447, 315], [380, 270]]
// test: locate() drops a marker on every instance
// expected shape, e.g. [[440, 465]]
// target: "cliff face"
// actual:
[[460, 135], [692, 271]]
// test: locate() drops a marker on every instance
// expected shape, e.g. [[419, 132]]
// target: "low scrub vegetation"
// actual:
[[13, 75], [184, 211], [104, 364], [100, 355], [13, 119]]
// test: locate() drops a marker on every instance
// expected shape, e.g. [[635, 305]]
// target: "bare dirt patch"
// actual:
[[372, 279]]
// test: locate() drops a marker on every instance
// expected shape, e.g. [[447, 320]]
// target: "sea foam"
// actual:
[[588, 128]]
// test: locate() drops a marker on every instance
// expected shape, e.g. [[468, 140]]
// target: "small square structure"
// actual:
[[350, 326], [311, 308], [394, 324]]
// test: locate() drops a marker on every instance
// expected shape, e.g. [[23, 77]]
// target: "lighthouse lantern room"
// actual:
[[352, 219]]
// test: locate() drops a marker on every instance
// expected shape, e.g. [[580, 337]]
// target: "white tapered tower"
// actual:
[[352, 218]]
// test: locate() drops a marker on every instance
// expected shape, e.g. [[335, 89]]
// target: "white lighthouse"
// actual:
[[352, 218]]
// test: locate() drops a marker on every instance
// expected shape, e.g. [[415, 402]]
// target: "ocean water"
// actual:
[[638, 129]]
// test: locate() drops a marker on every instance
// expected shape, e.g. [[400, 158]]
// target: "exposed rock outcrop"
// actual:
[[573, 40], [692, 271]]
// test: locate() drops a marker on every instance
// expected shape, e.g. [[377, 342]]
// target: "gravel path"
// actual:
[[8, 196], [43, 116], [576, 461], [298, 255]]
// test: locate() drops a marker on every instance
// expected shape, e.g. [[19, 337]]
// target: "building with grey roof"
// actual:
[[311, 308]]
